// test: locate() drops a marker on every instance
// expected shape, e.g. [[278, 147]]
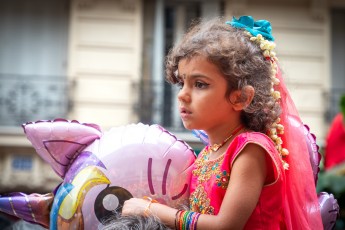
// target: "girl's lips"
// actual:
[[185, 113]]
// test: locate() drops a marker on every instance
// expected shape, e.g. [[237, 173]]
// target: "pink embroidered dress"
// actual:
[[210, 180]]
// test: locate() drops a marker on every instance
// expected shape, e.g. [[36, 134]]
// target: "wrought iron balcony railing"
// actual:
[[26, 98], [165, 112]]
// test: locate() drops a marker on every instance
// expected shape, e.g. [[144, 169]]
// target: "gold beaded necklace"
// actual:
[[216, 147]]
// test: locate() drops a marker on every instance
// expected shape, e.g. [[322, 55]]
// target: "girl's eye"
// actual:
[[201, 85]]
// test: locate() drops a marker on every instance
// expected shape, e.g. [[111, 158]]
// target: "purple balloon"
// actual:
[[100, 170], [329, 209], [313, 149], [201, 135]]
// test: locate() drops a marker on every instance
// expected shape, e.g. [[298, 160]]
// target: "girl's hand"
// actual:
[[135, 206], [148, 206]]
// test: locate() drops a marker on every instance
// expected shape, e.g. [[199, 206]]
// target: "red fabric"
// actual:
[[335, 143], [268, 213], [302, 210]]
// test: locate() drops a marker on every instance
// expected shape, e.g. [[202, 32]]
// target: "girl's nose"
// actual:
[[184, 94]]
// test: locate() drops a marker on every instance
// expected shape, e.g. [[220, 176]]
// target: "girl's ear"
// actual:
[[240, 99]]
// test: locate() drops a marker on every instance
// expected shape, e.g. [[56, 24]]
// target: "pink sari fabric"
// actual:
[[210, 180], [301, 208]]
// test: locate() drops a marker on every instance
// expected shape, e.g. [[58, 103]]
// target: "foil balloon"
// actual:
[[313, 148], [102, 170], [329, 210], [201, 135], [28, 206]]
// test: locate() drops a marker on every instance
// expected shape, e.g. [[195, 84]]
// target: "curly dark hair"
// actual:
[[133, 222], [240, 60]]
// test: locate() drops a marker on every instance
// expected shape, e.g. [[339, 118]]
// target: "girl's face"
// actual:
[[202, 101]]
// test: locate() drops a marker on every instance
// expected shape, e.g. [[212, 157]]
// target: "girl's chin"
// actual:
[[189, 126]]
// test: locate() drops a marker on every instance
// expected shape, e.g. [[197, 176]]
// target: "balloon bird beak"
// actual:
[[82, 183]]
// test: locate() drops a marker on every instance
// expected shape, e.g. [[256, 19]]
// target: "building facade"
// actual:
[[102, 61]]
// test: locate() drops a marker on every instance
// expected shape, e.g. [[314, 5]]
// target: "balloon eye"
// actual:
[[110, 202]]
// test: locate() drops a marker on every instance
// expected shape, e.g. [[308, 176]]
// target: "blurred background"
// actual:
[[102, 61]]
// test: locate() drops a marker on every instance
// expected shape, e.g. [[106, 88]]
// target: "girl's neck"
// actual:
[[216, 150], [224, 134]]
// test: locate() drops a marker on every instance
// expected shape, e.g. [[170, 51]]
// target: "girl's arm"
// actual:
[[247, 178]]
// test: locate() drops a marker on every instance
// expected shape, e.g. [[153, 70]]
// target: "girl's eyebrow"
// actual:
[[193, 76]]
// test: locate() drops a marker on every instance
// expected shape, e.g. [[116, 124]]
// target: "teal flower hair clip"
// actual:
[[262, 27]]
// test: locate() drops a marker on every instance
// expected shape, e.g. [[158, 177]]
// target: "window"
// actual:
[[158, 102], [22, 163], [33, 44]]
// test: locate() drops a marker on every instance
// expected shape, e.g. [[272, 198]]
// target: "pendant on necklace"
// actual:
[[215, 147]]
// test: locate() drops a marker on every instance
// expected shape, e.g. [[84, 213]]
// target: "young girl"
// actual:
[[255, 173]]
